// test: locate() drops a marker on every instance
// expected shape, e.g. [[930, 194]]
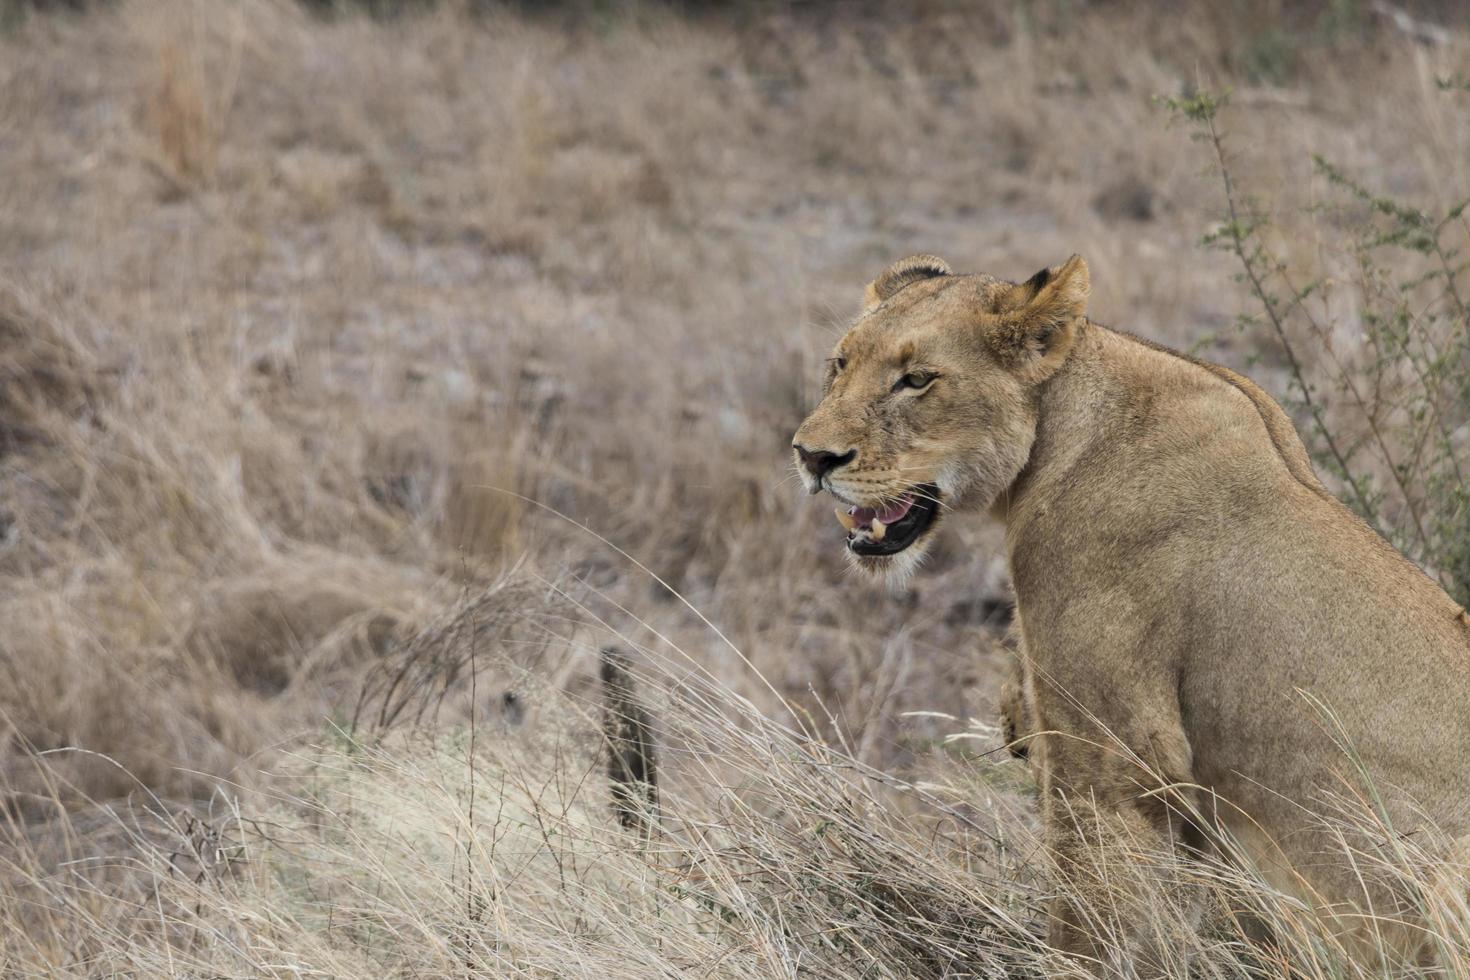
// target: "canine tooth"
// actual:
[[878, 530], [845, 519]]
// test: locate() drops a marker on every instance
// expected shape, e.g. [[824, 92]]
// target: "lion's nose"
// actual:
[[820, 462]]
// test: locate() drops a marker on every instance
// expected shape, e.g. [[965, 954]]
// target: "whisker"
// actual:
[[891, 495], [917, 490], [795, 474], [785, 480]]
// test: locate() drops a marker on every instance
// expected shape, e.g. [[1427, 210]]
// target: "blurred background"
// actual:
[[322, 323]]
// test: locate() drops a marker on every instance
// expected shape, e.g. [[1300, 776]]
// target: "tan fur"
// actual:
[[1016, 725], [1203, 624]]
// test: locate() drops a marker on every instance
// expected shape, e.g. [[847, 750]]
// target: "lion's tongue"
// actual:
[[862, 517]]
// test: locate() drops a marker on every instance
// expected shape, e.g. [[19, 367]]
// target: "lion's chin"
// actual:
[[895, 569]]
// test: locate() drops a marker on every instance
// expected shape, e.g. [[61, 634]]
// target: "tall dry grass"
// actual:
[[358, 377], [490, 849]]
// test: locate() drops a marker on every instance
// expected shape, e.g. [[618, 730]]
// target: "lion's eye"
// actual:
[[834, 368], [917, 380]]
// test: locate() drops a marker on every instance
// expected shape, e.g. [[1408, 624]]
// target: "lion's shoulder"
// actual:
[[1279, 428]]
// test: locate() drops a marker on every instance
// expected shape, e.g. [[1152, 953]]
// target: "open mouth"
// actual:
[[890, 529]]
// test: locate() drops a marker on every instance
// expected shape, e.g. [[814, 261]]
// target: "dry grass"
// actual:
[[310, 329]]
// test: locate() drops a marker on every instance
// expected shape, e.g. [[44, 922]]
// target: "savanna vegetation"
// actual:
[[369, 371]]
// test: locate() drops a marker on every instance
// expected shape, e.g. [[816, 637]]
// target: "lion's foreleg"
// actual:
[[1114, 821]]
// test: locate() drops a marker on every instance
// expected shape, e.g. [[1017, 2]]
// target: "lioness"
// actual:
[[1204, 628]]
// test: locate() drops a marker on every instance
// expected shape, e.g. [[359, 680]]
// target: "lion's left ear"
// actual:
[[1035, 335], [900, 274]]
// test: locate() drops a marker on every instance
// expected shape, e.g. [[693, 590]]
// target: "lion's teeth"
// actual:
[[845, 519], [878, 530]]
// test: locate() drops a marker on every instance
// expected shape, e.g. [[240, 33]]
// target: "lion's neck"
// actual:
[[1077, 409]]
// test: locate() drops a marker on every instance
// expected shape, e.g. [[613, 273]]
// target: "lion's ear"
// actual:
[[900, 274], [1035, 334]]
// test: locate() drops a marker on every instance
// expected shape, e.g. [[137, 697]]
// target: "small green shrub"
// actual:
[[1377, 343]]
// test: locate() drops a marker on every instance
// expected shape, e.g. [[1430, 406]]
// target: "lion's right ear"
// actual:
[[900, 274], [1035, 336]]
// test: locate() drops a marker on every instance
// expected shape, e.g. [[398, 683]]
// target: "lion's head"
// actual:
[[929, 400]]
